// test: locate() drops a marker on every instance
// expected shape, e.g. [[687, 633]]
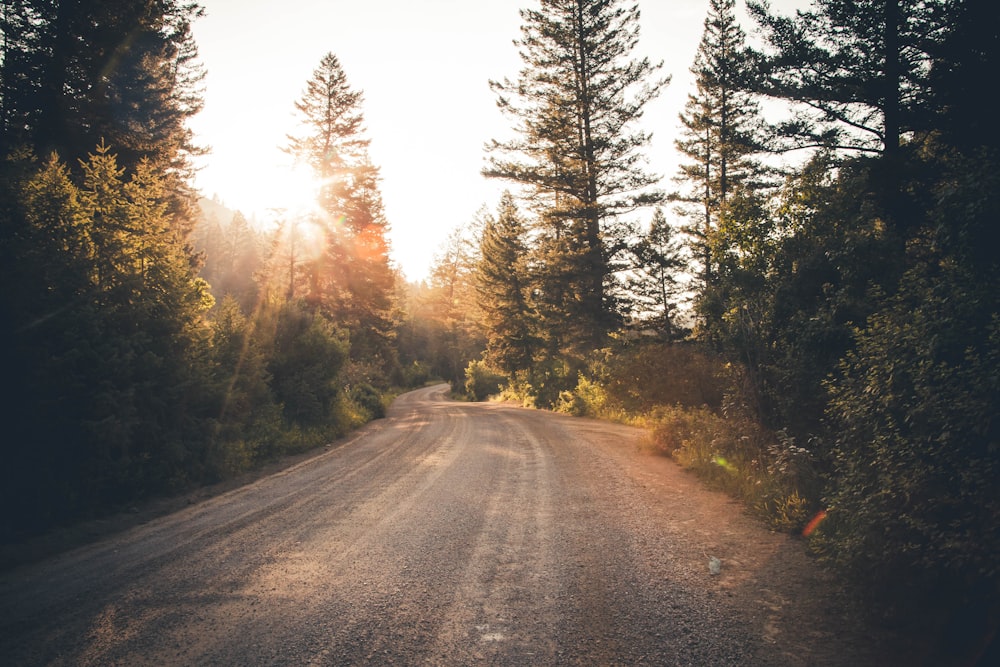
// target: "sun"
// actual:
[[294, 190]]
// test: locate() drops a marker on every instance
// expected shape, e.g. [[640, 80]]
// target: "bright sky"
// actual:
[[424, 69]]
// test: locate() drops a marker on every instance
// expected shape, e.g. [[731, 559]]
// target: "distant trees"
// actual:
[[655, 285], [233, 254], [449, 306], [577, 154]]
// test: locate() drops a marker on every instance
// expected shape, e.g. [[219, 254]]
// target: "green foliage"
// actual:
[[249, 421], [857, 70], [587, 399], [74, 75], [915, 503], [655, 284], [307, 357], [444, 326], [503, 291], [368, 400], [233, 253], [482, 381], [721, 122], [643, 375], [349, 278], [417, 374], [105, 340]]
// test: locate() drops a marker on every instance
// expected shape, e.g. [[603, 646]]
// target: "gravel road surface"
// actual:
[[446, 534]]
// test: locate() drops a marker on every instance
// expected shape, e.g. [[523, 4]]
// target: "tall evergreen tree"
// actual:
[[352, 281], [577, 155], [103, 339], [75, 73], [332, 125], [721, 135], [857, 71]]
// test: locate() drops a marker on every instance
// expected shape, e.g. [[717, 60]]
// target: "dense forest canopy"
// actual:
[[828, 326]]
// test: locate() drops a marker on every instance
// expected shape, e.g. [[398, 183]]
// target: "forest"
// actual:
[[807, 314]]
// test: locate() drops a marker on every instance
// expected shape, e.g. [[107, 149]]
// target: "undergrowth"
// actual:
[[739, 457]]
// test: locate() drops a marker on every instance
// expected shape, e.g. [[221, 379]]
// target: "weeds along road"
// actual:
[[446, 534]]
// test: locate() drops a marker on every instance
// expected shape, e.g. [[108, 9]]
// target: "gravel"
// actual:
[[446, 534]]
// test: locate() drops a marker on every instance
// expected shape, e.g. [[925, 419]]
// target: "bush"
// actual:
[[644, 375], [916, 504], [368, 400], [588, 399], [482, 381], [416, 374]]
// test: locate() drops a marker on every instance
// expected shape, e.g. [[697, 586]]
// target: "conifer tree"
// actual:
[[720, 137], [577, 154], [503, 291], [656, 284], [856, 73], [104, 337], [353, 280], [73, 74]]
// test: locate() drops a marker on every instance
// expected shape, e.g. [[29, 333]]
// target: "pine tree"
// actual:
[[720, 138], [578, 157], [104, 332], [855, 70], [76, 73], [352, 281], [125, 73], [656, 284], [502, 284], [332, 125]]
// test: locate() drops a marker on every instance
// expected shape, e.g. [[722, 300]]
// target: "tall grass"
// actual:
[[738, 456]]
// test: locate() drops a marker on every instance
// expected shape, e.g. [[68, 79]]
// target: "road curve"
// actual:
[[446, 534]]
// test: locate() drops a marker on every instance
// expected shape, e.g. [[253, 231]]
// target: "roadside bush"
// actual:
[[368, 400], [588, 399], [416, 374], [643, 375], [916, 505], [482, 381]]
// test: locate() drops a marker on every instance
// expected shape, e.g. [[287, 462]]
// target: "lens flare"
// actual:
[[724, 464], [814, 523]]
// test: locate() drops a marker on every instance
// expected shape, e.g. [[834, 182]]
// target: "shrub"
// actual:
[[482, 381], [916, 504], [368, 400], [588, 399], [416, 374], [641, 376]]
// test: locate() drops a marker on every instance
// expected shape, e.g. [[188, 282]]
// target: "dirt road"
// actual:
[[447, 534]]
